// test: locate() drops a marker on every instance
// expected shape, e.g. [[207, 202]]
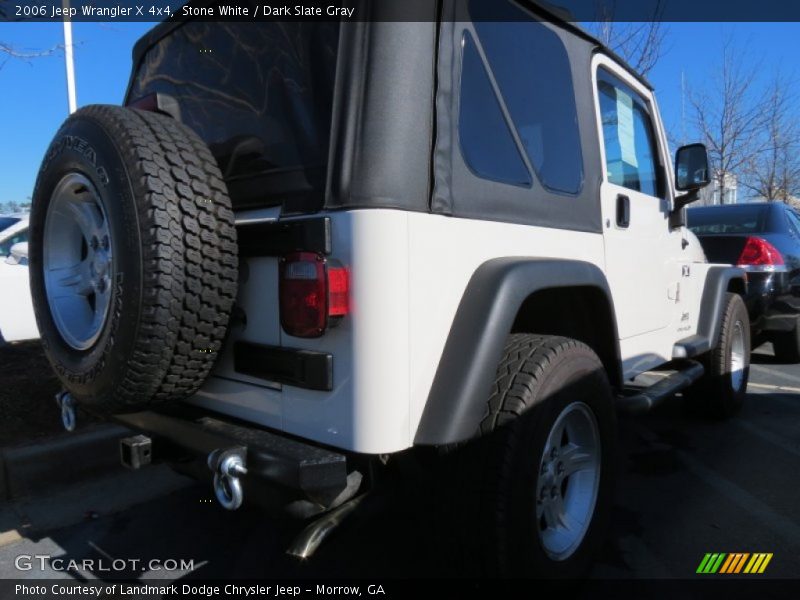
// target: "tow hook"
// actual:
[[68, 408], [228, 466]]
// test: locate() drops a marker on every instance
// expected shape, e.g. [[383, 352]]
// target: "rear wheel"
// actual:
[[133, 258], [721, 391], [536, 485]]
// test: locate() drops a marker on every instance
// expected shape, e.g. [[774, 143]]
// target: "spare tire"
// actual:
[[133, 258]]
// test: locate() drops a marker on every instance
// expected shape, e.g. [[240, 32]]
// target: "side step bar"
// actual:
[[689, 372]]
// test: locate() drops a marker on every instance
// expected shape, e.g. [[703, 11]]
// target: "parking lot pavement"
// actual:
[[689, 487], [686, 487]]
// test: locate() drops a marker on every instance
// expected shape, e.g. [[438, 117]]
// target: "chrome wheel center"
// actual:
[[78, 261]]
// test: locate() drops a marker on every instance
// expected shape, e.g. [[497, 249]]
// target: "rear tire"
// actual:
[[543, 459], [133, 258], [720, 393], [787, 346]]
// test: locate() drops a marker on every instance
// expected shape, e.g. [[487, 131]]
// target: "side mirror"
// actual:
[[691, 175], [691, 168], [19, 254]]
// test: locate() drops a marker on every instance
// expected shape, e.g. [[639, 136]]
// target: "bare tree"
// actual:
[[774, 172], [640, 44], [728, 116], [8, 52]]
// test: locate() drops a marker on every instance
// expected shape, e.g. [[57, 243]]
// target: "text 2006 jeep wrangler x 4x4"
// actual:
[[321, 246]]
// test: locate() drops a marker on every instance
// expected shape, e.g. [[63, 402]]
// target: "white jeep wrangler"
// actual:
[[320, 246]]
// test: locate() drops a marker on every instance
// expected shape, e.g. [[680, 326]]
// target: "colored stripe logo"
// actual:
[[734, 563]]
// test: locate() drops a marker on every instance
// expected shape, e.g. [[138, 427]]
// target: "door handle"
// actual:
[[623, 211]]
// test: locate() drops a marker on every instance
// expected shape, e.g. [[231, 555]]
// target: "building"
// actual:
[[711, 194]]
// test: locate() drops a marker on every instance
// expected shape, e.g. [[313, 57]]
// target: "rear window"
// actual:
[[259, 94], [728, 219]]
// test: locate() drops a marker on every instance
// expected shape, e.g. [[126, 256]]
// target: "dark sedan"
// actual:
[[764, 239]]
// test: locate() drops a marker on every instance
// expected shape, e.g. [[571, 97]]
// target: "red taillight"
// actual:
[[311, 292], [338, 288], [759, 252]]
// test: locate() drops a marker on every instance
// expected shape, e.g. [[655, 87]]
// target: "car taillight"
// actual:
[[758, 252], [313, 294]]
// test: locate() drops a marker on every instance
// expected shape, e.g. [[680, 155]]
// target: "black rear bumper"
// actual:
[[772, 303], [300, 469]]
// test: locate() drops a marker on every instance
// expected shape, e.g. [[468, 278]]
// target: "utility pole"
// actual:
[[71, 96], [683, 108]]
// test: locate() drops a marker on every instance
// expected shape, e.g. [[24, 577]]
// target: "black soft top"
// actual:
[[551, 12]]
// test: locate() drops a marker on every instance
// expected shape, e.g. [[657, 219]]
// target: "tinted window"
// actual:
[[532, 70], [260, 94], [631, 159], [486, 141], [728, 219], [6, 222]]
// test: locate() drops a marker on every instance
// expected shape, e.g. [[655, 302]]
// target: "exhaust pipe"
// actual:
[[311, 538]]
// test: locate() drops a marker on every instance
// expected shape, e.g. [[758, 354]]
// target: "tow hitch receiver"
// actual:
[[238, 456], [136, 452]]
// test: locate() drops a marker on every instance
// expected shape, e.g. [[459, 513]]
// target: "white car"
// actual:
[[17, 321]]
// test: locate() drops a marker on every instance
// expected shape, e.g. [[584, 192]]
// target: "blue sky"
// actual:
[[33, 95], [694, 48]]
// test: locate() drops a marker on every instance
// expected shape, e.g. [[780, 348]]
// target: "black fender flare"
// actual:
[[712, 305], [457, 399]]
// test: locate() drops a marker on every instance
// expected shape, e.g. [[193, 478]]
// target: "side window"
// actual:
[[486, 141], [631, 150], [532, 70]]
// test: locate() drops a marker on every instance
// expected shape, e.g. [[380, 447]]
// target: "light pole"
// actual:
[[71, 96]]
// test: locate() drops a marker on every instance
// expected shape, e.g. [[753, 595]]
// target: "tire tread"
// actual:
[[482, 472], [189, 255]]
